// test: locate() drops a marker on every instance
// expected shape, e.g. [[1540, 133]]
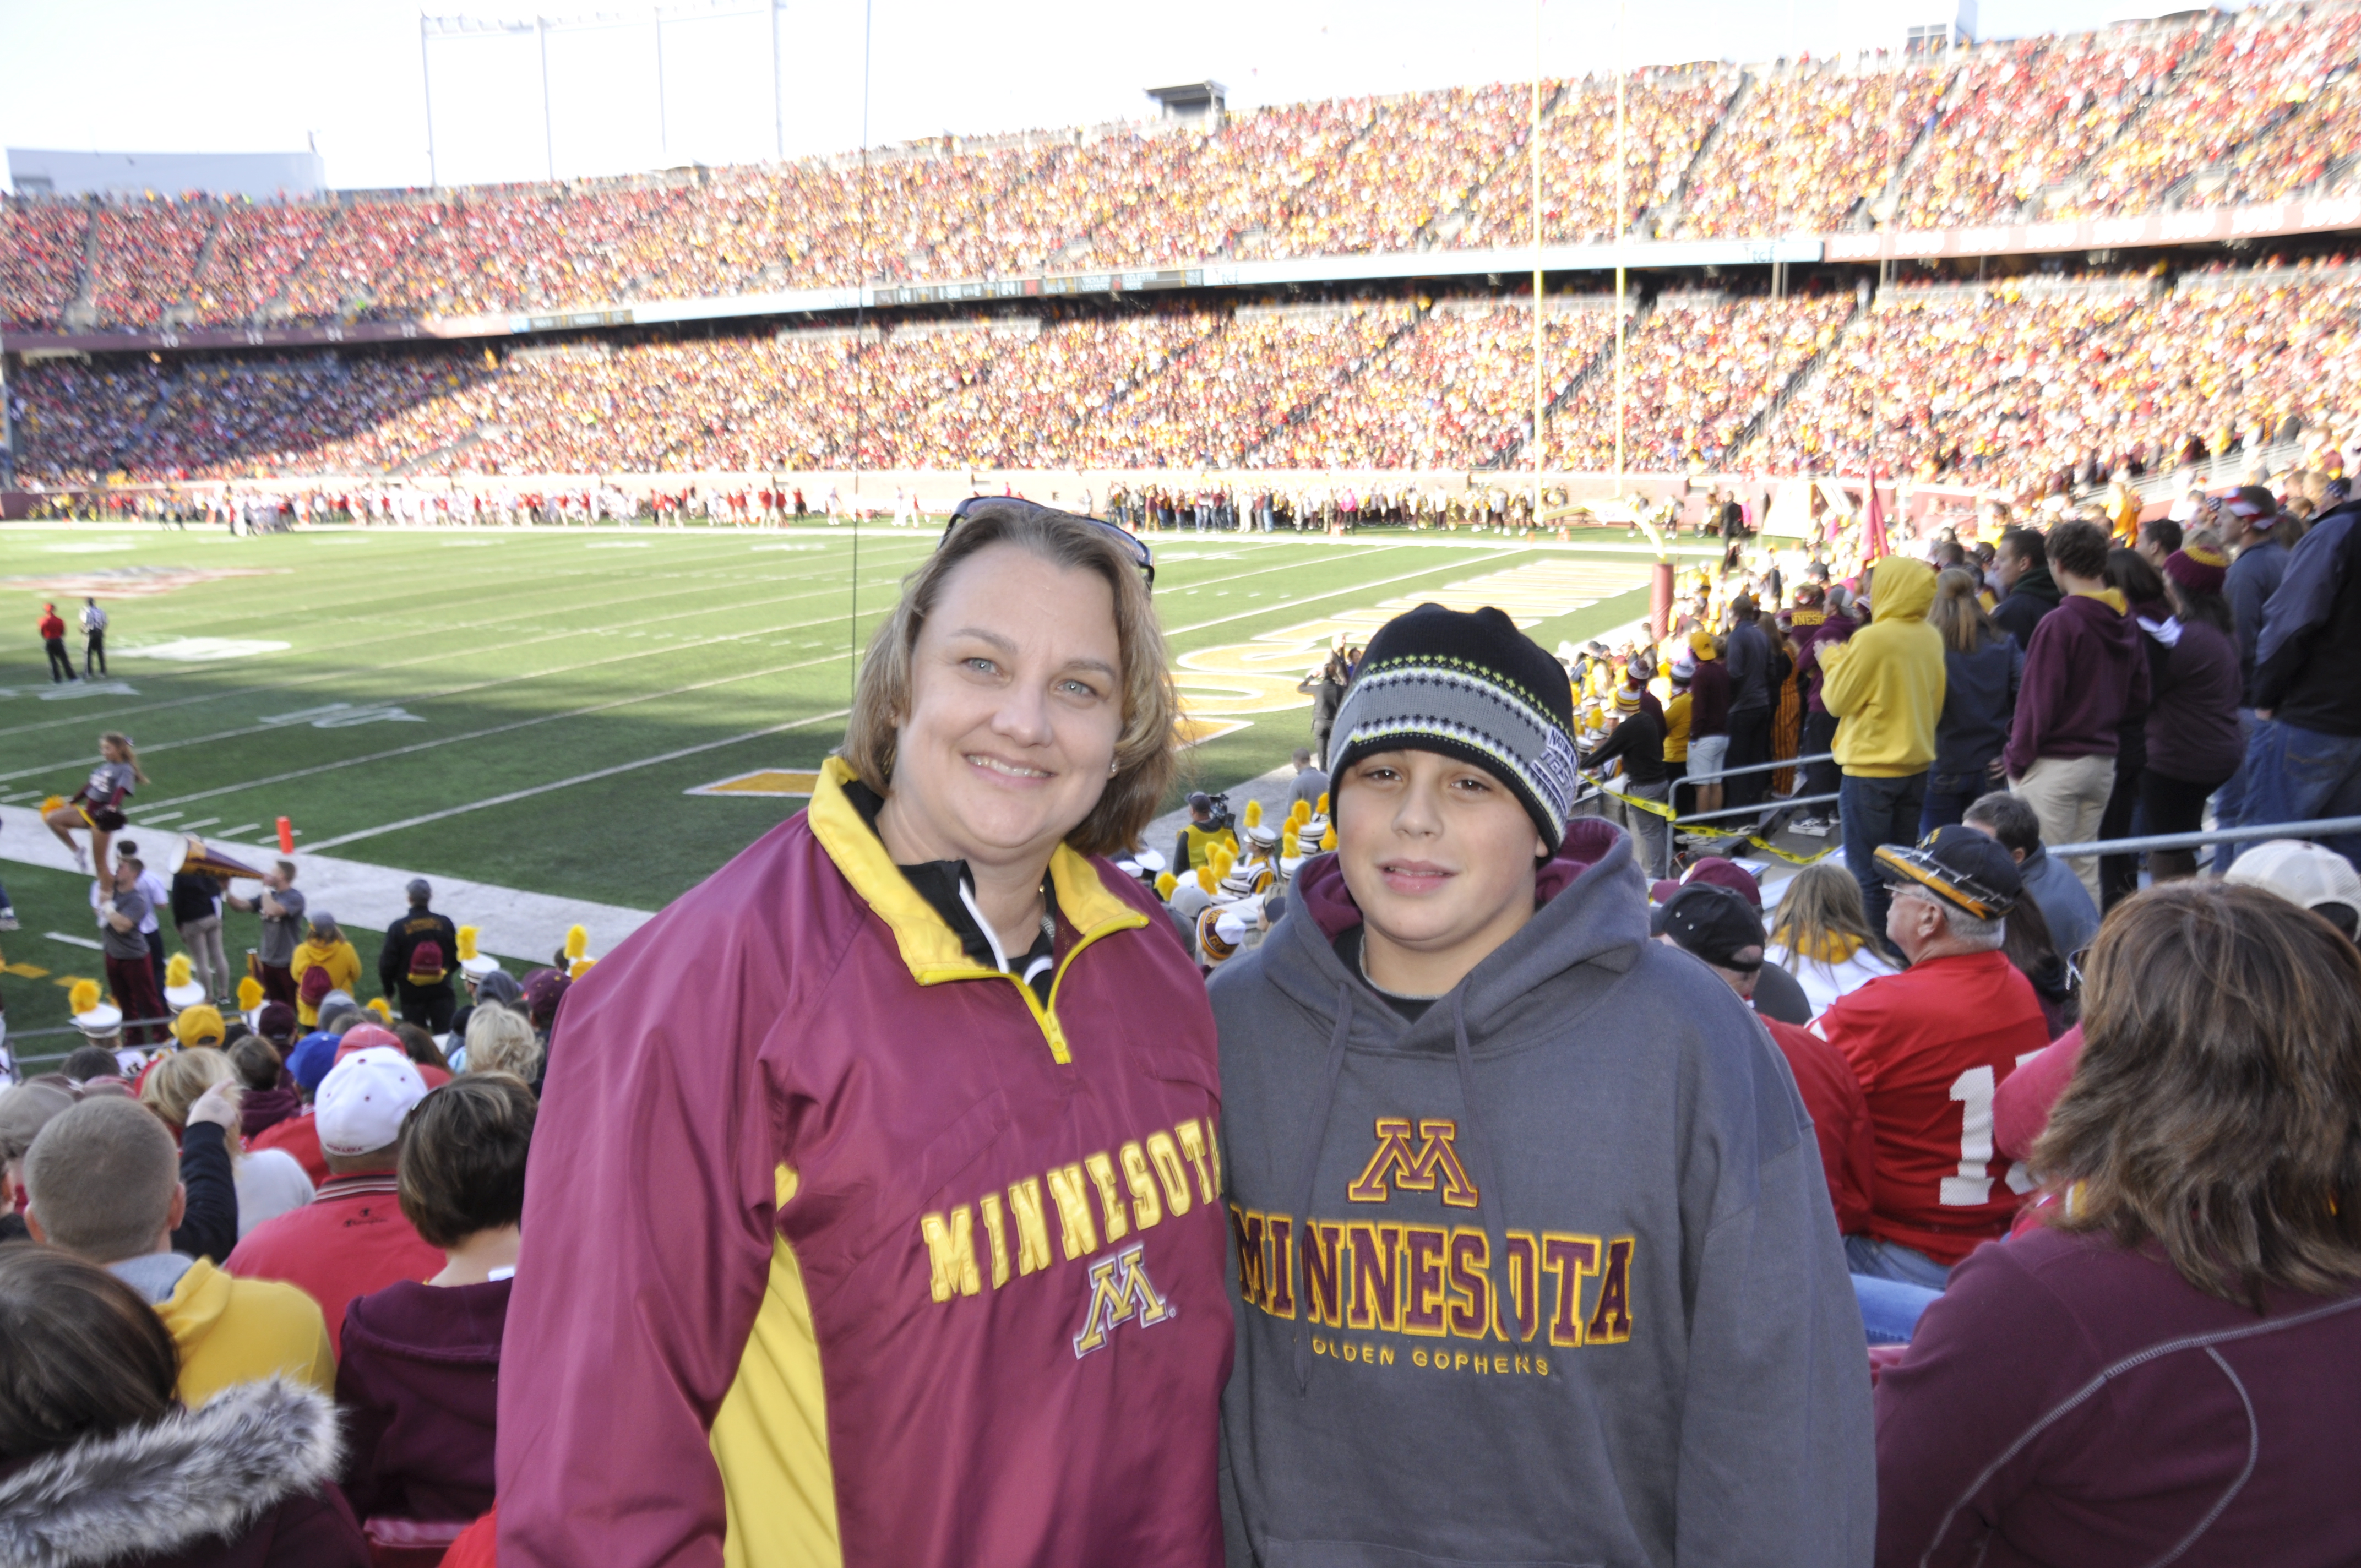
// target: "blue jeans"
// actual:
[[1877, 811], [2231, 798], [1889, 1309], [1948, 796], [1892, 1260], [2298, 775]]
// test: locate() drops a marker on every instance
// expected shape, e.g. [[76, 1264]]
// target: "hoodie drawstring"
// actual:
[[1300, 1264], [1487, 1192]]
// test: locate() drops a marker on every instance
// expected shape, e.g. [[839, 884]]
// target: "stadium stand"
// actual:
[[2226, 108]]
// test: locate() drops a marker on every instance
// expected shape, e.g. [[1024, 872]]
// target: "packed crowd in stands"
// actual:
[[2231, 88], [1998, 388], [2054, 1151], [1697, 373], [2030, 114], [2102, 124], [1456, 393], [2022, 386], [1666, 114], [1807, 148]]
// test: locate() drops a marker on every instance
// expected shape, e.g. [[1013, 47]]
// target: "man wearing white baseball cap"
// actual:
[[352, 1238], [2303, 873]]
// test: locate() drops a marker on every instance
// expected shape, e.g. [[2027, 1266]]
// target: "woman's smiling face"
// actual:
[[1016, 707]]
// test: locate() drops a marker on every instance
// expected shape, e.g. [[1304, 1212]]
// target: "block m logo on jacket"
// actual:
[[1120, 1291], [1414, 1171]]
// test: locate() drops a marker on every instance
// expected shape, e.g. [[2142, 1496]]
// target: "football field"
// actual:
[[606, 714]]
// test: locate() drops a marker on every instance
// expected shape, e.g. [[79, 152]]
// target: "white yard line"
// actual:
[[244, 730], [442, 629], [1341, 592], [496, 730], [447, 812]]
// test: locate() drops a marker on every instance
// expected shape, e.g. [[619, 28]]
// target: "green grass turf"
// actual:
[[533, 657]]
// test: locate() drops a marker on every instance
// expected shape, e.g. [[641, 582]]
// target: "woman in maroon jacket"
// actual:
[[418, 1377], [2193, 740], [99, 1466], [875, 1212], [2167, 1370]]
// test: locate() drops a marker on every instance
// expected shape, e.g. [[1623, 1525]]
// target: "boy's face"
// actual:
[[1437, 852]]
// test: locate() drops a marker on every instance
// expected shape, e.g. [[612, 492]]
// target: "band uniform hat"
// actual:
[[1466, 685], [1959, 866]]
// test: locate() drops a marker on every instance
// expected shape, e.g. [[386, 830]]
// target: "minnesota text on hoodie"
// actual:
[[1547, 1276]]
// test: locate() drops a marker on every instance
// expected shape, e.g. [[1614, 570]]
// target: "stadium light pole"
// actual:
[[548, 137], [1623, 207], [1535, 138], [426, 78]]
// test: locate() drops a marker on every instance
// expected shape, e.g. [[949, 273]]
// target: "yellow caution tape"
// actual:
[[1757, 840]]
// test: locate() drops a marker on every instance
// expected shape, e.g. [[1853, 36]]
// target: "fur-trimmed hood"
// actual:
[[164, 1487]]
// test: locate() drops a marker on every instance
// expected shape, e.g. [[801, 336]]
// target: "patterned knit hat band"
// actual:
[[1468, 686]]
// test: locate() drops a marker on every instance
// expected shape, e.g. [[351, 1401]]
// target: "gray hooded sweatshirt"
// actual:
[[1593, 1126]]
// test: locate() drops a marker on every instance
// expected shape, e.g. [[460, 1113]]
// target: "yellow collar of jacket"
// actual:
[[929, 946]]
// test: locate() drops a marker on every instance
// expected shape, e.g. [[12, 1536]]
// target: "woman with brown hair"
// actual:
[[98, 804], [99, 1464], [859, 1156], [2167, 1370], [1982, 667]]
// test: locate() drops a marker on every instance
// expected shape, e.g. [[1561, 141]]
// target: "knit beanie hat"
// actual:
[[1466, 683], [2198, 569]]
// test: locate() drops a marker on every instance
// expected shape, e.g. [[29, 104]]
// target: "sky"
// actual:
[[348, 75]]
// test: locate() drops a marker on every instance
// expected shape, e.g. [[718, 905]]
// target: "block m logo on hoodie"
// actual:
[[1414, 1171], [1120, 1291]]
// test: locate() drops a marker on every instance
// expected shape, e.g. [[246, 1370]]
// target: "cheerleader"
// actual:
[[98, 805]]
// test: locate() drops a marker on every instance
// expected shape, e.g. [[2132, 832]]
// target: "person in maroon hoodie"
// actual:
[[1813, 626], [419, 1383], [2165, 1370], [2083, 673]]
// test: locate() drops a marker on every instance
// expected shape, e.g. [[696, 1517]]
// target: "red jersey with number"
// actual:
[[1930, 1047]]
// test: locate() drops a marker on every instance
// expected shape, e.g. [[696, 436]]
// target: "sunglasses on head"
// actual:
[[1141, 555]]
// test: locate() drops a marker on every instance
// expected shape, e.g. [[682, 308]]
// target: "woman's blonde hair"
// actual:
[[180, 1080], [1958, 613], [122, 742], [1820, 902], [501, 1041], [1148, 752]]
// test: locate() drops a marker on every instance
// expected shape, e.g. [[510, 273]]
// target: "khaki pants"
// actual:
[[2069, 796]]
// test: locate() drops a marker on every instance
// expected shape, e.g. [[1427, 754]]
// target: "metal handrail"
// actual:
[[1764, 808], [1775, 765], [2314, 829]]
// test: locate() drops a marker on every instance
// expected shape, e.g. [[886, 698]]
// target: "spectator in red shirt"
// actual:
[[1717, 925], [1930, 1047], [352, 1238], [53, 638], [2166, 1369]]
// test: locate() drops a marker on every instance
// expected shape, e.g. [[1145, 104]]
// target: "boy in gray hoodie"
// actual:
[[1532, 1246]]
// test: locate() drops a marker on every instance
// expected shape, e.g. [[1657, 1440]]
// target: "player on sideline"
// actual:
[[98, 805], [1533, 1255]]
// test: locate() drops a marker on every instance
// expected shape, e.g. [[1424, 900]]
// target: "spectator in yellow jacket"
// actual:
[[104, 1181], [327, 950], [1884, 684]]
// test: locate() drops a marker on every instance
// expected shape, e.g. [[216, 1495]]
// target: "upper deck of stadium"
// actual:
[[2189, 129]]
